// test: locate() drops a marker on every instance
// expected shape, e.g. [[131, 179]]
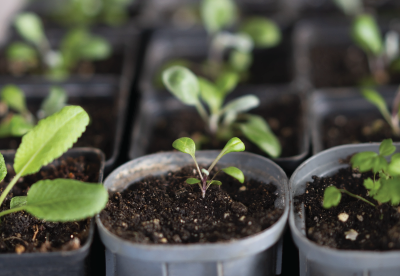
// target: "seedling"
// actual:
[[17, 119], [57, 200], [221, 120], [392, 118], [383, 187], [187, 145], [35, 53], [383, 55]]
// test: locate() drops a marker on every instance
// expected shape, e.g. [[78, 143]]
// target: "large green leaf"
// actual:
[[54, 102], [241, 104], [18, 201], [62, 200], [235, 173], [386, 147], [95, 48], [217, 14], [50, 138], [192, 181], [366, 34], [211, 95], [364, 160], [332, 197], [233, 145], [19, 51], [3, 168], [227, 81], [394, 166], [389, 191], [14, 98], [182, 83], [264, 33], [29, 26], [185, 145]]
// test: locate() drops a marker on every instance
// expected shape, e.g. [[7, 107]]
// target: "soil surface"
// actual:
[[284, 116], [167, 210], [21, 232], [376, 228], [340, 66], [339, 129], [100, 133]]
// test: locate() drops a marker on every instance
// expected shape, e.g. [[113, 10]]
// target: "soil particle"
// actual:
[[167, 210], [21, 232], [366, 228]]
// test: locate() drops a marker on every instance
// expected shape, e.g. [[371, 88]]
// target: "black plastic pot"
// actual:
[[155, 109], [68, 263], [345, 101], [270, 67], [91, 97]]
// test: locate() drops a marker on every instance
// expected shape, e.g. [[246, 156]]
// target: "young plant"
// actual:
[[376, 99], [17, 119], [35, 53], [222, 120], [187, 145], [383, 187], [57, 200], [382, 54]]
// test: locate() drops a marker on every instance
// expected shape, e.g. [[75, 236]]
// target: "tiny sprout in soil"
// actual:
[[222, 121], [57, 200], [187, 145], [383, 187]]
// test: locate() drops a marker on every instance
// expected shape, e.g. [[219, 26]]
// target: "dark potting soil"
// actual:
[[339, 129], [21, 232], [283, 116], [376, 228], [167, 210], [340, 66], [99, 133]]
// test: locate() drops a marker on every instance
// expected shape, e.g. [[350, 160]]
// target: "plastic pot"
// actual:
[[344, 101], [89, 97], [322, 260], [258, 254], [153, 110], [63, 263]]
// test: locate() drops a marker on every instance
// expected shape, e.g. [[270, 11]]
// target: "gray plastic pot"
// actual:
[[259, 254], [341, 101], [61, 263], [316, 260]]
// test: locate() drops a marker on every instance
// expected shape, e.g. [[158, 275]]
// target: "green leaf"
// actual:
[[19, 126], [182, 83], [217, 14], [332, 197], [62, 200], [54, 102], [258, 132], [3, 168], [185, 145], [14, 98], [50, 138], [29, 26], [379, 163], [95, 48], [386, 148], [352, 7], [394, 166], [372, 186], [241, 104], [227, 81], [214, 182], [211, 95], [235, 173], [18, 201], [264, 33], [192, 181], [366, 34], [240, 61], [376, 99], [19, 51], [233, 145], [389, 191], [363, 160]]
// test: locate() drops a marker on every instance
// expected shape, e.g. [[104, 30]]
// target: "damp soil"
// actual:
[[21, 232], [340, 129], [167, 210], [376, 228], [99, 133], [283, 115], [340, 66]]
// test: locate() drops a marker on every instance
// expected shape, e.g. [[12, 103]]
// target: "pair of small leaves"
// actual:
[[232, 171], [197, 181]]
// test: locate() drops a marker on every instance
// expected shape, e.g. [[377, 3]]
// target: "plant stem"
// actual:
[[356, 196], [9, 211], [202, 112], [9, 187]]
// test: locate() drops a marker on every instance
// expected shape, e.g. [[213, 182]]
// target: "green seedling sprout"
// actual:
[[221, 120], [57, 200], [77, 45], [382, 54], [17, 119], [376, 99], [187, 145], [383, 187]]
